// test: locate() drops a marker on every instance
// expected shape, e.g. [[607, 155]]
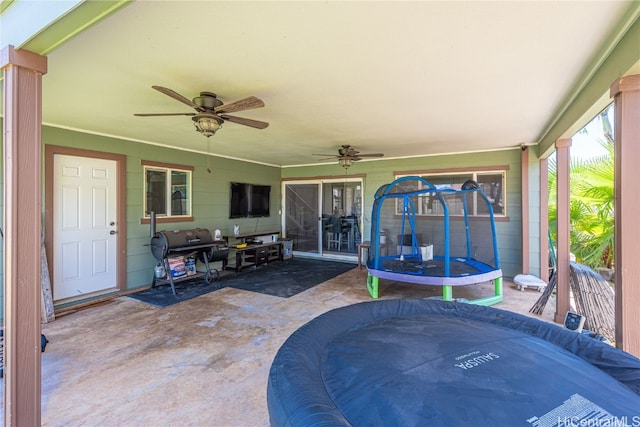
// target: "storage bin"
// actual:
[[287, 248]]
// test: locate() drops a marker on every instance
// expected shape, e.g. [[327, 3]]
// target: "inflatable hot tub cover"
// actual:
[[429, 362]]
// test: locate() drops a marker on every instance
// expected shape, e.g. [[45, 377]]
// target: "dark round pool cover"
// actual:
[[425, 362]]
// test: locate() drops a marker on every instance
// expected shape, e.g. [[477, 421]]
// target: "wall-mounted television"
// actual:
[[249, 200]]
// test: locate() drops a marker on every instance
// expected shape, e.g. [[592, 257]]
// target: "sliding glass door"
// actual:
[[324, 217], [301, 213]]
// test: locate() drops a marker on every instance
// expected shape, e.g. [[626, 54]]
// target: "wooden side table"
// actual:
[[361, 246]]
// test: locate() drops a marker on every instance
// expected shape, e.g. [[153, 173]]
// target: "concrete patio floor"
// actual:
[[202, 362]]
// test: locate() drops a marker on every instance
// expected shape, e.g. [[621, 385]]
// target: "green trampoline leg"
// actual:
[[497, 284], [372, 285], [447, 293]]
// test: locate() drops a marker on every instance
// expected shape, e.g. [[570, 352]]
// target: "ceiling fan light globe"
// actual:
[[206, 124], [345, 163]]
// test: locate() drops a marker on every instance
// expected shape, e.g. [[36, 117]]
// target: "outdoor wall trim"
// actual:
[[22, 58], [321, 177], [54, 23], [544, 219], [563, 147], [618, 55], [452, 170], [626, 92], [524, 196], [625, 84], [22, 139]]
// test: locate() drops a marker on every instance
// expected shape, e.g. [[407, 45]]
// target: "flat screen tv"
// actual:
[[249, 200]]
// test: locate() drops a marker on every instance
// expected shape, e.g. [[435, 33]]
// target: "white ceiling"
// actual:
[[402, 78]]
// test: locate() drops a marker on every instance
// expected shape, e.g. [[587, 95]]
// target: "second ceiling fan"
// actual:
[[211, 112], [347, 155]]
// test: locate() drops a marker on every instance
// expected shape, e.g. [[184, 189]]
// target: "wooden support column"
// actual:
[[524, 191], [544, 219], [626, 93], [563, 303], [22, 108]]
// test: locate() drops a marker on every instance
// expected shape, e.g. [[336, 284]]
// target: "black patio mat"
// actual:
[[281, 279]]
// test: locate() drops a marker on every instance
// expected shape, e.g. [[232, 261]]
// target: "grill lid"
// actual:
[[167, 241]]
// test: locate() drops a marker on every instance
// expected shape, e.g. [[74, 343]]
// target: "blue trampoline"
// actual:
[[442, 235], [435, 363]]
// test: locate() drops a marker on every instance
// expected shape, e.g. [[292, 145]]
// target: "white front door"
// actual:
[[84, 226]]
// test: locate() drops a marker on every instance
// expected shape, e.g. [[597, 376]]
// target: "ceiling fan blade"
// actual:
[[326, 158], [175, 95], [163, 114], [326, 155], [242, 121], [240, 105], [371, 155]]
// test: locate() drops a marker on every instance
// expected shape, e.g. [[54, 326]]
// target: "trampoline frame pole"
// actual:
[[372, 285], [495, 299], [447, 293]]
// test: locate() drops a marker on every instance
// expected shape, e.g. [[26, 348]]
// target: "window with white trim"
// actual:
[[492, 183], [167, 190]]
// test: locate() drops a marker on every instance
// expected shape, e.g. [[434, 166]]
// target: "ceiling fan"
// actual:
[[211, 112], [347, 155]]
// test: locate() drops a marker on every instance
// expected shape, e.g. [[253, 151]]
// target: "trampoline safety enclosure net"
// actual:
[[442, 235]]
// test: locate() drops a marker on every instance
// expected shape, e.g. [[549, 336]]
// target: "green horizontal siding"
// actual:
[[211, 191], [378, 173]]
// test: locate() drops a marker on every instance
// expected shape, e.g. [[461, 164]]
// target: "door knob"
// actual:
[[112, 232]]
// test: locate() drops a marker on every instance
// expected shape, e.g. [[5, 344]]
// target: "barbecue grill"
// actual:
[[196, 242]]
